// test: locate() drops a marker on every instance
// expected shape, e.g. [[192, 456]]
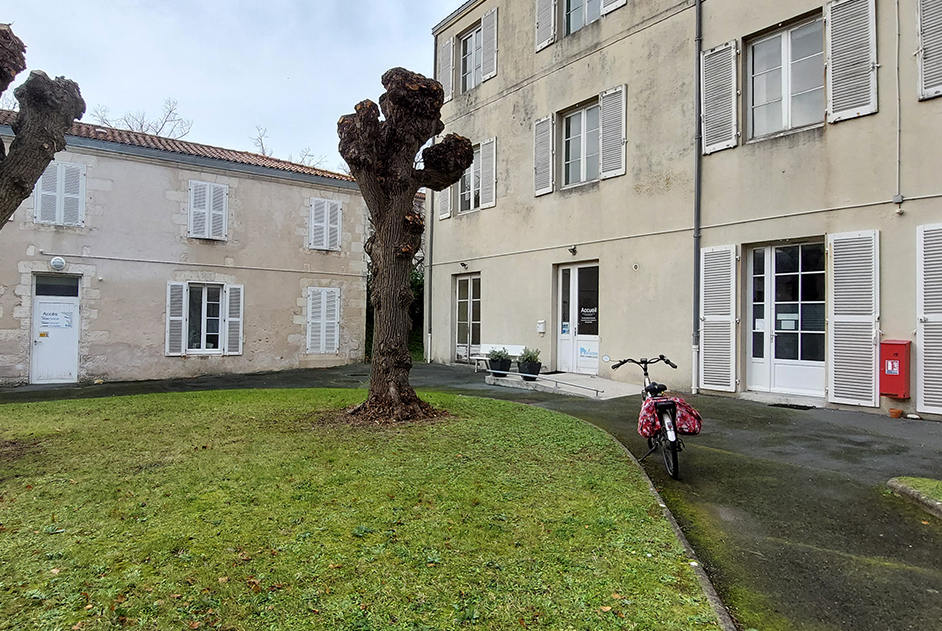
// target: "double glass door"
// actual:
[[468, 330], [787, 287], [578, 317]]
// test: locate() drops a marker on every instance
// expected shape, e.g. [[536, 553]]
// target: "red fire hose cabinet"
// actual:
[[894, 368]]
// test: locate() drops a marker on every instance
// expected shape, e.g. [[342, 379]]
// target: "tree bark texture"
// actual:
[[381, 155], [47, 109]]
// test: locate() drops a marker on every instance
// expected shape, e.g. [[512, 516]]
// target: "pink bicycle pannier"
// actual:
[[688, 419]]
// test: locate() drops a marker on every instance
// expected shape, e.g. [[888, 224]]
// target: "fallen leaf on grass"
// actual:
[[616, 596], [223, 579], [605, 608], [195, 625], [254, 584], [89, 606], [335, 567], [925, 523], [55, 571]]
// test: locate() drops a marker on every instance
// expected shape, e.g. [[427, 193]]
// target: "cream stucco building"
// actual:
[[139, 257], [749, 188]]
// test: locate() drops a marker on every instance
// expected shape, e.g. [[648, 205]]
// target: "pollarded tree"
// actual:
[[47, 109], [382, 158]]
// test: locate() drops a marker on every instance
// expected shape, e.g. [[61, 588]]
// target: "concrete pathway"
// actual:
[[788, 509]]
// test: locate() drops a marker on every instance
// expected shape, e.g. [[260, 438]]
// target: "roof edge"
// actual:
[[197, 161], [454, 15]]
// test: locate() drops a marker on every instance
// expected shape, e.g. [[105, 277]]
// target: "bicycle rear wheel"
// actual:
[[669, 447]]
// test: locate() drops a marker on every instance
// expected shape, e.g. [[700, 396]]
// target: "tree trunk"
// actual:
[[47, 109], [381, 156]]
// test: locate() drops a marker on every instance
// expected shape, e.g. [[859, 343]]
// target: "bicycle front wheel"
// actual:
[[669, 447]]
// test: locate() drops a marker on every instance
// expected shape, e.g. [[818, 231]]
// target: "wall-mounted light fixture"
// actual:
[[572, 249], [463, 265], [57, 263]]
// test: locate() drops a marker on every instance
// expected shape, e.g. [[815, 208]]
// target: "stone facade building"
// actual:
[[746, 187], [140, 257]]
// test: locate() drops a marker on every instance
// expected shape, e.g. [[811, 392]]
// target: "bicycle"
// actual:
[[665, 434]]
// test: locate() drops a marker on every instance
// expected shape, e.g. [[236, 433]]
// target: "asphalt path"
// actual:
[[787, 509]]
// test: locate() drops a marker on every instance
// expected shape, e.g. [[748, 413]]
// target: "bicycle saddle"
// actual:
[[655, 389]]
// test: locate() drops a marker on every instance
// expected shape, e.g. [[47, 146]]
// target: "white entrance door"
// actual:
[[56, 325], [578, 317], [787, 302]]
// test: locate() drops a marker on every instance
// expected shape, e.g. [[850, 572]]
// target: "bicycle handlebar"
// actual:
[[644, 362]]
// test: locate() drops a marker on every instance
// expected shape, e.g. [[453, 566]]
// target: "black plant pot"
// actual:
[[500, 367], [529, 370]]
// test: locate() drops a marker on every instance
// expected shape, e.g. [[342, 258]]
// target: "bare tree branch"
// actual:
[[168, 124], [261, 133]]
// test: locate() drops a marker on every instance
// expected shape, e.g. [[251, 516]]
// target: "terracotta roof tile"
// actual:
[[184, 147]]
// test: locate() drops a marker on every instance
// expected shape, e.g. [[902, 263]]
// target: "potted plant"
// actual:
[[499, 362], [529, 363]]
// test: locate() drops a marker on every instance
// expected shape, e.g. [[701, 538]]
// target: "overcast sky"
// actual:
[[293, 66]]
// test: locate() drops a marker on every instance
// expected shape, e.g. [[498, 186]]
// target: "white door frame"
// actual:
[[575, 351], [54, 337]]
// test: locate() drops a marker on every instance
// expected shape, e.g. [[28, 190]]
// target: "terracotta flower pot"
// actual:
[[896, 413]]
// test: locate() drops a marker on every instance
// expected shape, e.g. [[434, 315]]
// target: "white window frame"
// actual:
[[471, 49], [231, 306], [583, 136], [60, 195], [784, 35], [322, 320], [584, 10], [207, 232], [469, 185], [327, 234]]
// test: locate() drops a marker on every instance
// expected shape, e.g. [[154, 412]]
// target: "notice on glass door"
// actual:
[[55, 320]]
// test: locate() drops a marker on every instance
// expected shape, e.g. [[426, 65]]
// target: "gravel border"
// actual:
[[927, 503]]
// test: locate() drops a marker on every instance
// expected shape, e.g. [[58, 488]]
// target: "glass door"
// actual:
[[468, 330], [578, 333]]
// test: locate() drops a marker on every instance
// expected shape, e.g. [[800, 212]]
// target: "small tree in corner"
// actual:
[[47, 109], [382, 158]]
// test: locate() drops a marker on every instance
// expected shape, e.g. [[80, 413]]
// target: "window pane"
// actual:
[[786, 318], [592, 167], [463, 289], [212, 341], [463, 332], [786, 288], [476, 288], [812, 287], [807, 40], [807, 74], [574, 16], [758, 345], [812, 257], [462, 311], [758, 262], [786, 260], [195, 329], [808, 108], [475, 334], [588, 301], [213, 293], [786, 346], [767, 55], [593, 10], [767, 88], [564, 299], [212, 326], [767, 119], [812, 347], [758, 313], [812, 317], [57, 286], [476, 311], [758, 289]]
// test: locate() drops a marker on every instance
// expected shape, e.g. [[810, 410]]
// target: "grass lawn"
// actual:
[[930, 488], [253, 510]]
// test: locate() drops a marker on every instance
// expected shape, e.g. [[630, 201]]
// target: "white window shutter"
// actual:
[[718, 318], [489, 173], [929, 55], [543, 156], [489, 45], [218, 211], [47, 195], [235, 299], [545, 23], [73, 194], [929, 319], [334, 224], [718, 91], [446, 67], [610, 5], [176, 320], [612, 132], [851, 59], [331, 320], [318, 224], [199, 210], [853, 313], [315, 320], [444, 202]]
